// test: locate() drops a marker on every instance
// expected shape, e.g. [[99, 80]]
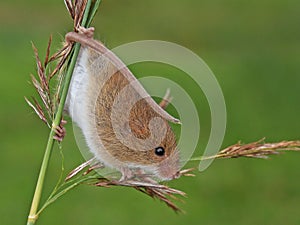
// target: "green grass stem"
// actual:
[[33, 214]]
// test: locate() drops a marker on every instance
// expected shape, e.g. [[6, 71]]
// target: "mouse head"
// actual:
[[162, 158]]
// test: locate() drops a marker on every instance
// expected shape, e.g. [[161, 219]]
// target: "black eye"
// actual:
[[160, 151]]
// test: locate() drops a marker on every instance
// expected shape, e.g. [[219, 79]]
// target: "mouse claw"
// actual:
[[88, 32], [126, 174], [60, 131]]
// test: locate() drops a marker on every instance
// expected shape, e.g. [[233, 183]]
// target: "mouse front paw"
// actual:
[[88, 32], [60, 131]]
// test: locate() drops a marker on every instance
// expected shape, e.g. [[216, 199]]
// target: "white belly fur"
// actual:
[[78, 108]]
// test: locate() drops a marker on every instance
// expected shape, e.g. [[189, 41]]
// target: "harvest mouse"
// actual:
[[123, 126]]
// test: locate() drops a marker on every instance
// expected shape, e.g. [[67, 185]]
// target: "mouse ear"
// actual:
[[140, 89], [164, 114], [142, 92], [101, 48]]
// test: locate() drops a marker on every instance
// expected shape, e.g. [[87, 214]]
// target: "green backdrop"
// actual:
[[253, 47]]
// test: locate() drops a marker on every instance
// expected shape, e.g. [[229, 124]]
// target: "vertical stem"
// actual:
[[33, 216], [38, 191], [40, 183]]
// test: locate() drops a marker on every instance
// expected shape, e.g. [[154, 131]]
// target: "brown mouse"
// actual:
[[123, 126]]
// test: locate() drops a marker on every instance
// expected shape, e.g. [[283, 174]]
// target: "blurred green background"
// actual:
[[253, 47]]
